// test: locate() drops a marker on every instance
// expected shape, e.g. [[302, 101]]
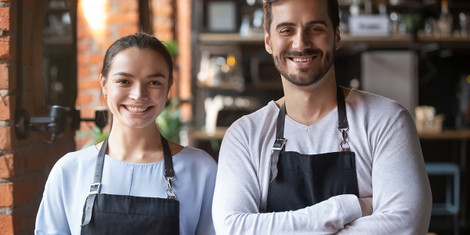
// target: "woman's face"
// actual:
[[136, 88]]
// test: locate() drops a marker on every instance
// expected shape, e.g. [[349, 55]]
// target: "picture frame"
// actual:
[[221, 16]]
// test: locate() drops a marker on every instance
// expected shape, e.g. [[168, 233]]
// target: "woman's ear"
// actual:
[[103, 85]]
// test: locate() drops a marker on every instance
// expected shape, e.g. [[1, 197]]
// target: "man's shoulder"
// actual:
[[372, 101]]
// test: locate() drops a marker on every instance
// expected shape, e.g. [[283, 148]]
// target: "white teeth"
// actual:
[[136, 109], [304, 59]]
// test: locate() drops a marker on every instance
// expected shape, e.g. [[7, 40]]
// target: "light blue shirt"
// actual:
[[69, 182]]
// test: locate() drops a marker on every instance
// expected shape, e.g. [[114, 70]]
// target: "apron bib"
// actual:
[[121, 214], [299, 180]]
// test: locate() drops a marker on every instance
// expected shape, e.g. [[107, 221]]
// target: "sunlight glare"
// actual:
[[95, 14]]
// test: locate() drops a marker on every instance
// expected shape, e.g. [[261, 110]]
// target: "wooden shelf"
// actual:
[[347, 40], [216, 38], [446, 134]]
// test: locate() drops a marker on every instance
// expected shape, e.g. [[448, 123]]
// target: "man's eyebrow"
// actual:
[[284, 24], [313, 22], [317, 22]]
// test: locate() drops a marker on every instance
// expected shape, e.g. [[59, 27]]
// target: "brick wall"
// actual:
[[120, 18], [24, 164]]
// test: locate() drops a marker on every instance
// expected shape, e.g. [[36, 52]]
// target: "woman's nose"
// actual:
[[138, 92]]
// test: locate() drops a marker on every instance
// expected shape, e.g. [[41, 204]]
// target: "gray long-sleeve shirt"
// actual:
[[389, 161]]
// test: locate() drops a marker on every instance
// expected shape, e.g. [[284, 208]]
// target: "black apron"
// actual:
[[121, 214], [300, 180]]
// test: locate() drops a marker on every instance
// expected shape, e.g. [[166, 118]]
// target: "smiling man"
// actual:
[[323, 159]]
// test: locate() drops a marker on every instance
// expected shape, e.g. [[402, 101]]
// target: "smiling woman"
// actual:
[[141, 165]]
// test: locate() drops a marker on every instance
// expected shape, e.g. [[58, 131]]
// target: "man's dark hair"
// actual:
[[333, 13]]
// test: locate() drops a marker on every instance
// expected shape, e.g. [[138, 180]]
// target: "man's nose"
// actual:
[[301, 41]]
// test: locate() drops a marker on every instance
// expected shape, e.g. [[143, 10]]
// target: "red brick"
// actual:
[[83, 99], [123, 18], [84, 33], [5, 18], [127, 6], [6, 224], [5, 138], [90, 59], [6, 190], [5, 47], [4, 108], [6, 166], [88, 84], [127, 30], [83, 72], [4, 76], [83, 46]]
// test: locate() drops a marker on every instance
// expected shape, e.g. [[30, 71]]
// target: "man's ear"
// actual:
[[337, 39], [267, 42]]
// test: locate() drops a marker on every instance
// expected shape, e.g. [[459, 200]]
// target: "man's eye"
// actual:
[[284, 31], [155, 83], [316, 29]]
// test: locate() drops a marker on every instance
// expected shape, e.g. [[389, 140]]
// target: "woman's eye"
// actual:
[[122, 81]]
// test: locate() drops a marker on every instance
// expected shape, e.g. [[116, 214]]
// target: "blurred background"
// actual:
[[416, 52]]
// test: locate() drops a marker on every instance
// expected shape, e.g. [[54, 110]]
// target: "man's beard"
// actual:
[[315, 77]]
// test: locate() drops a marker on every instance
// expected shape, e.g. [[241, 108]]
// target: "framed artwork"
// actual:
[[221, 16]]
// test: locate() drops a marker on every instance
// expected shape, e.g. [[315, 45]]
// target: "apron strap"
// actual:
[[343, 125], [96, 185], [342, 118], [280, 141], [169, 171]]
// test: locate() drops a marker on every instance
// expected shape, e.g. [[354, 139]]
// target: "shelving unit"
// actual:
[[348, 58]]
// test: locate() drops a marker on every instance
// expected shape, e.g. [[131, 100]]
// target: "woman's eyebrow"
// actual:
[[122, 74]]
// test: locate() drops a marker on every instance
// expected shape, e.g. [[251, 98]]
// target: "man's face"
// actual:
[[302, 40]]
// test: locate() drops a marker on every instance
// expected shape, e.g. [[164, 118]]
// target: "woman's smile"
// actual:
[[137, 109]]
